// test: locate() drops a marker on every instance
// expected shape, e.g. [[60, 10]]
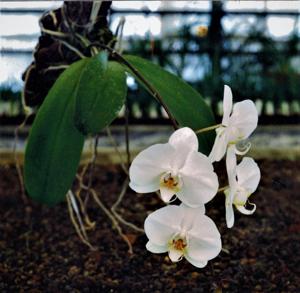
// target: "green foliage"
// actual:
[[100, 94], [54, 145], [185, 104], [85, 98]]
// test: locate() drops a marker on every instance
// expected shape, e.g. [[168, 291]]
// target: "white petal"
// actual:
[[231, 167], [229, 209], [204, 240], [227, 105], [198, 189], [200, 182], [231, 173], [184, 141], [175, 255], [166, 194], [156, 248], [148, 166], [189, 216], [162, 224], [197, 162], [244, 119], [145, 188], [248, 174], [244, 211], [198, 264], [203, 228], [184, 138], [220, 145]]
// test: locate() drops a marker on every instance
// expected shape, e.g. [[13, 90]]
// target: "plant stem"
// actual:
[[80, 229], [117, 203], [149, 86], [127, 134], [17, 162], [208, 128], [92, 168], [222, 188], [115, 145]]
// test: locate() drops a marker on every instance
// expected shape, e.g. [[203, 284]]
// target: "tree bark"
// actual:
[[60, 46]]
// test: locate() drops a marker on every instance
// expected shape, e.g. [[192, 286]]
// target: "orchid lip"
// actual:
[[241, 196], [242, 149]]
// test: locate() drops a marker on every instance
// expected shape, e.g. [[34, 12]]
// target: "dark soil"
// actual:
[[40, 251]]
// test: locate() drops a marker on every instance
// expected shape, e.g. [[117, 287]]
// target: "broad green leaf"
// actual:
[[54, 145], [185, 103], [100, 94]]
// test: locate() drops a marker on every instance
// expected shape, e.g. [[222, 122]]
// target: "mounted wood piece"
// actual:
[[62, 42]]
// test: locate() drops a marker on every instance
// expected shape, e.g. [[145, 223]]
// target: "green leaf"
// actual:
[[54, 145], [186, 104], [100, 94]]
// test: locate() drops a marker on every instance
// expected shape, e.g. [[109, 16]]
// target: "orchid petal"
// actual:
[[184, 141], [244, 119], [231, 166], [220, 145], [204, 242], [189, 215], [231, 173], [166, 194], [200, 182], [184, 138], [197, 162], [244, 211], [227, 105], [196, 263], [197, 190], [204, 249], [229, 209], [156, 248], [152, 187], [248, 174], [162, 224], [175, 255], [148, 166]]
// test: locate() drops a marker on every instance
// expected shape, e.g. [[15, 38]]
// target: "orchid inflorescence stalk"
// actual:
[[178, 170]]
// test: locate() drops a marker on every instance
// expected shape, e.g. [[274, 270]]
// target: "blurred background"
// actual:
[[253, 46]]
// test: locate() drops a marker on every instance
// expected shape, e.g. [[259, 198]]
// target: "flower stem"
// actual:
[[209, 128], [149, 86], [127, 134], [222, 188]]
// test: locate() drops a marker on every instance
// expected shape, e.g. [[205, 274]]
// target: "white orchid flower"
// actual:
[[243, 181], [238, 123], [183, 232], [175, 168]]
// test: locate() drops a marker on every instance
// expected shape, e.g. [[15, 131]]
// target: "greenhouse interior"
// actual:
[[150, 146]]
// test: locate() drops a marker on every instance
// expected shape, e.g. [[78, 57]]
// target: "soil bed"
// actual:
[[40, 251]]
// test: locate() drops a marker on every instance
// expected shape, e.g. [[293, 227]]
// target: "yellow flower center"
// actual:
[[179, 244], [170, 182]]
